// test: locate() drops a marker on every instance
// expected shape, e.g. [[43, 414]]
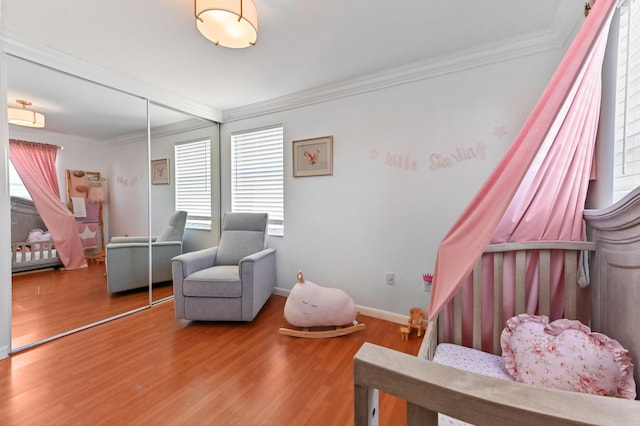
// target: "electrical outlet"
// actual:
[[427, 285], [391, 279]]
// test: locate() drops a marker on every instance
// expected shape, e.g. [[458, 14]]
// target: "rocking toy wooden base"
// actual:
[[321, 332]]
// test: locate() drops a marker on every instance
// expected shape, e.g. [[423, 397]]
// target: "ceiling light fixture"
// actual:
[[228, 23], [25, 117]]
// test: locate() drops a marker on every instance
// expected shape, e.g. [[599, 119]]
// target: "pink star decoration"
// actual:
[[499, 131]]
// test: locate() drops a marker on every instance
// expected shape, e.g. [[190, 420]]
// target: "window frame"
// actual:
[[268, 168], [626, 113], [200, 219]]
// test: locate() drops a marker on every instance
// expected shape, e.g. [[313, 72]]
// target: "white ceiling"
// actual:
[[301, 44]]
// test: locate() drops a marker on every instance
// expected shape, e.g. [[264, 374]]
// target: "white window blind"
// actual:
[[257, 174], [627, 126], [193, 182]]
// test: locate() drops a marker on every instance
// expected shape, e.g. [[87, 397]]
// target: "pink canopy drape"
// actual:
[[531, 194], [36, 166]]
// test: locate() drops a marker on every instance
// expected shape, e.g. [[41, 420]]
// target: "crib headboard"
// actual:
[[24, 218], [615, 277]]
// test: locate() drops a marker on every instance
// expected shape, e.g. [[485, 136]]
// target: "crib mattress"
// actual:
[[471, 360]]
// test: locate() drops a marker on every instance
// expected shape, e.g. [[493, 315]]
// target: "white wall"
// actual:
[[407, 160], [128, 188]]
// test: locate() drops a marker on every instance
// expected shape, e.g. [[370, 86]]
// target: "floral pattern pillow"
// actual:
[[566, 355]]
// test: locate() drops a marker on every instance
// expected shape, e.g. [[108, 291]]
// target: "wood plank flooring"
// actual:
[[151, 369], [50, 302]]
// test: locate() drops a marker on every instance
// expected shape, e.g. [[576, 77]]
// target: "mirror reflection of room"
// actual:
[[58, 268], [101, 161]]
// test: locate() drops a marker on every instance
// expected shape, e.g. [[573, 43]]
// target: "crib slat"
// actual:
[[457, 319], [517, 290], [544, 282], [477, 305], [498, 321], [570, 284], [521, 272]]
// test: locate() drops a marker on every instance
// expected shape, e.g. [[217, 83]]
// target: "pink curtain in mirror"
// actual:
[[537, 190], [36, 166]]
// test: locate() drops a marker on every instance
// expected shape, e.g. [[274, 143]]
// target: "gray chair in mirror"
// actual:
[[128, 257], [230, 282]]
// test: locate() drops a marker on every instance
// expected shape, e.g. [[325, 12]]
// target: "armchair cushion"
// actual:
[[242, 235], [175, 230], [235, 245], [218, 281]]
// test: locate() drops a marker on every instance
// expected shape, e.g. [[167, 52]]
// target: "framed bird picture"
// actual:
[[160, 171], [313, 157]]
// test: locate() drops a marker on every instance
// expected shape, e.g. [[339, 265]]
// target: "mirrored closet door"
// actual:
[[102, 168]]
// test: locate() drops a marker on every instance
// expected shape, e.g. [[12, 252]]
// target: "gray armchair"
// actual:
[[128, 257], [230, 282]]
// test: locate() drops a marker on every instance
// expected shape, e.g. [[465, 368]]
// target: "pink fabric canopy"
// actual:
[[537, 191], [36, 166]]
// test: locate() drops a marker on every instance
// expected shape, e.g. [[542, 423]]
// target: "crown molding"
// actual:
[[189, 125], [52, 58], [557, 37]]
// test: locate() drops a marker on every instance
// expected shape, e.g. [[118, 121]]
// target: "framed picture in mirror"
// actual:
[[160, 172]]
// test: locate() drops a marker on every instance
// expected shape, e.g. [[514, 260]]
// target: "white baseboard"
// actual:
[[4, 352], [364, 310], [383, 315], [281, 291]]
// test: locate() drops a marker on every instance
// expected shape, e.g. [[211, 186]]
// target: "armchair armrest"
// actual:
[[126, 240], [194, 261], [258, 256], [258, 280], [127, 246]]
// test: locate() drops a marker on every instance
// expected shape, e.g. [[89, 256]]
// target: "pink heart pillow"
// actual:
[[566, 355]]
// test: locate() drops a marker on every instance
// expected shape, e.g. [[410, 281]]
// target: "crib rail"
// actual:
[[30, 255], [430, 388]]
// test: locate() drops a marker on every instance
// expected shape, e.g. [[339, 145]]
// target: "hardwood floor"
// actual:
[[151, 369], [50, 302]]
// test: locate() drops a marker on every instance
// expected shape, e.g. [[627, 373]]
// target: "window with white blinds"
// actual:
[[627, 125], [193, 182], [16, 187], [257, 174]]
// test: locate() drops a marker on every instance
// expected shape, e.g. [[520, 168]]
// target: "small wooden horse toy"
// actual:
[[415, 320]]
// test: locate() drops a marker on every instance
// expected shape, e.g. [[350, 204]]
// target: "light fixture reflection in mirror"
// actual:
[[25, 117]]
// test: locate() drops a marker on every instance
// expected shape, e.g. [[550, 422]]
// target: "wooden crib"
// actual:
[[29, 255], [430, 388]]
